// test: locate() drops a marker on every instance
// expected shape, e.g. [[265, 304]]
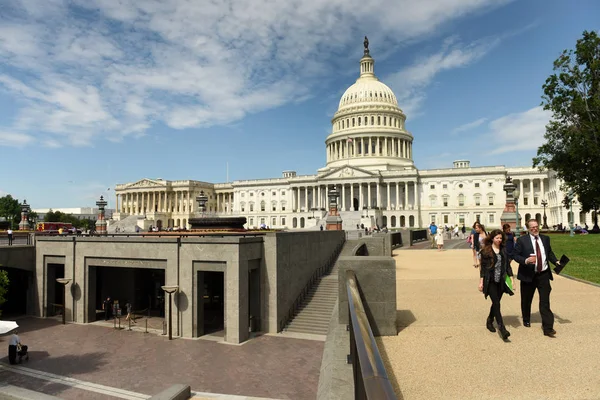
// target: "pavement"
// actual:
[[444, 351], [95, 361]]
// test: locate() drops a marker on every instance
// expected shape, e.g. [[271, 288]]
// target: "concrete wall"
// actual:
[[378, 244], [376, 276], [291, 258], [285, 262], [21, 257]]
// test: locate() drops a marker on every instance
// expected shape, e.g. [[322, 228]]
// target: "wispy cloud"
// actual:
[[468, 126], [522, 131], [83, 68], [13, 139], [410, 83]]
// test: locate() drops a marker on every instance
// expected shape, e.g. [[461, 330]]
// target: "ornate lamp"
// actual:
[[202, 200], [101, 222], [545, 204], [24, 224], [516, 194]]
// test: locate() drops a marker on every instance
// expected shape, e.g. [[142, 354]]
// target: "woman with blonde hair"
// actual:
[[495, 267]]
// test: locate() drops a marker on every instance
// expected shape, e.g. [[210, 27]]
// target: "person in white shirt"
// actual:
[[9, 233], [15, 348]]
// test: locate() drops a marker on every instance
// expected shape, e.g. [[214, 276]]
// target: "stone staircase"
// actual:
[[314, 313], [350, 219], [126, 225]]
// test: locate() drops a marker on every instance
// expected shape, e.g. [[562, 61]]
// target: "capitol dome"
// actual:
[[368, 128]]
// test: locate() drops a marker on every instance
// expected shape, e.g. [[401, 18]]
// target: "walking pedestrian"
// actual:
[[9, 233]]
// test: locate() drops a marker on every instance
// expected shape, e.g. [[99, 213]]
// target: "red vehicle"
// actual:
[[55, 227]]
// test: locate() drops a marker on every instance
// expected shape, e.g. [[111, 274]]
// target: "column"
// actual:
[[377, 188], [343, 202], [369, 194], [531, 192], [354, 146], [352, 196], [397, 195], [293, 199], [314, 196], [360, 196], [388, 205], [370, 148], [377, 151], [385, 146], [541, 189], [406, 195]]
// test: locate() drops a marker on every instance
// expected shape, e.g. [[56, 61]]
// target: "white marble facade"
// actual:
[[369, 160]]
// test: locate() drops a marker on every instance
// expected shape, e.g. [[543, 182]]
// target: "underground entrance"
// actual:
[[54, 290], [17, 293], [211, 303], [139, 286]]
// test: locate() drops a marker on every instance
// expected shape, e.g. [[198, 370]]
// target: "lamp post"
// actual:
[[571, 195], [24, 224], [516, 195], [202, 199], [64, 282], [545, 204], [101, 222], [333, 221], [170, 290]]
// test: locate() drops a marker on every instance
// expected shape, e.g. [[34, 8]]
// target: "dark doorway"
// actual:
[[16, 295], [139, 286], [211, 302], [54, 290], [159, 224], [254, 299], [355, 204]]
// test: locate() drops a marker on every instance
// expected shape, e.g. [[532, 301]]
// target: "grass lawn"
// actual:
[[584, 252]]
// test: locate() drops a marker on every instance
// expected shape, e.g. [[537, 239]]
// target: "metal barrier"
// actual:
[[396, 239], [370, 377], [418, 235]]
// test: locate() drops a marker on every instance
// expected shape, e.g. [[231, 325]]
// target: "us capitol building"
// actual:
[[370, 162]]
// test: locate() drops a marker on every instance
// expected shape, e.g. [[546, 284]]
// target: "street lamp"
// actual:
[[170, 290], [202, 199], [64, 282], [101, 221], [516, 195], [571, 195], [25, 209], [545, 204]]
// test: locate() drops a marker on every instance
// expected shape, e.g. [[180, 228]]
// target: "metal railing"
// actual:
[[316, 276], [418, 235], [19, 238], [371, 381]]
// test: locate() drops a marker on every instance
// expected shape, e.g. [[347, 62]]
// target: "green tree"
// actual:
[[572, 147], [3, 287], [10, 209]]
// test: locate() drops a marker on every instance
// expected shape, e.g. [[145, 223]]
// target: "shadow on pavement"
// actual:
[[403, 319]]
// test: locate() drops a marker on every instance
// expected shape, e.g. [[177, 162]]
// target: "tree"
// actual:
[[572, 147], [3, 287], [10, 209]]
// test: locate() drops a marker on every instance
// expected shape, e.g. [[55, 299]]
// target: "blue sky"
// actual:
[[99, 92]]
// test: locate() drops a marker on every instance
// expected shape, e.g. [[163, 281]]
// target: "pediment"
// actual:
[[144, 183], [347, 172]]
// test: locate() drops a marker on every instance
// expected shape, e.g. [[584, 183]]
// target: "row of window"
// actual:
[[491, 219], [461, 200], [262, 194], [360, 121], [373, 95], [263, 206], [445, 186]]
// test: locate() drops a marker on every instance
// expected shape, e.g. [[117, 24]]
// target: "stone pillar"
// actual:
[[343, 202], [388, 205], [397, 195], [352, 196], [385, 144], [406, 195], [368, 194], [541, 189], [531, 194], [360, 196], [377, 150], [378, 194], [370, 148]]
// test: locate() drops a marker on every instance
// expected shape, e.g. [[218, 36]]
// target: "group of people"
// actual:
[[437, 234], [493, 253]]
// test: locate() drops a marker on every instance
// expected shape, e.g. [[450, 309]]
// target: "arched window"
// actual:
[[294, 222], [262, 206], [301, 222], [372, 120], [411, 221], [378, 120], [353, 122], [242, 207], [251, 207], [283, 204], [384, 121], [359, 120], [273, 206], [402, 221], [393, 221]]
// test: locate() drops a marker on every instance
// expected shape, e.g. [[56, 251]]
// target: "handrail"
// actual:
[[371, 381]]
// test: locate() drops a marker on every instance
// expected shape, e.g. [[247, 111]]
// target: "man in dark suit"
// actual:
[[533, 253]]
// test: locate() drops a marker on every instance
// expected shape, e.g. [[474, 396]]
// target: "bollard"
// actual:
[[119, 323], [146, 326], [115, 322], [164, 326]]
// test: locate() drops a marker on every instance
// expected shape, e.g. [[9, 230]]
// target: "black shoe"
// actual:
[[489, 324], [526, 324], [550, 332], [504, 334]]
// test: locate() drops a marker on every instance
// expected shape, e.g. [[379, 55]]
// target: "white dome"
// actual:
[[368, 90]]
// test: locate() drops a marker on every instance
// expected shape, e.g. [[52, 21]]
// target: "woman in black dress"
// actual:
[[495, 266]]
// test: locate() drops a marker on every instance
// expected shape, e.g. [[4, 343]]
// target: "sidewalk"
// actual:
[[443, 349]]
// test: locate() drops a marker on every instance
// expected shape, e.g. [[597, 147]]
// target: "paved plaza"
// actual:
[[444, 351], [98, 362]]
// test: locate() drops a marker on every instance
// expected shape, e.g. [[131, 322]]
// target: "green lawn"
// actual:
[[584, 252]]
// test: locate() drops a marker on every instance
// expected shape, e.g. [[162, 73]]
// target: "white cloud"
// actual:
[[522, 131], [410, 83], [468, 126], [123, 65], [14, 139]]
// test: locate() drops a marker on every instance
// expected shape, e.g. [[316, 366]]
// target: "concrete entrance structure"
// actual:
[[263, 274]]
